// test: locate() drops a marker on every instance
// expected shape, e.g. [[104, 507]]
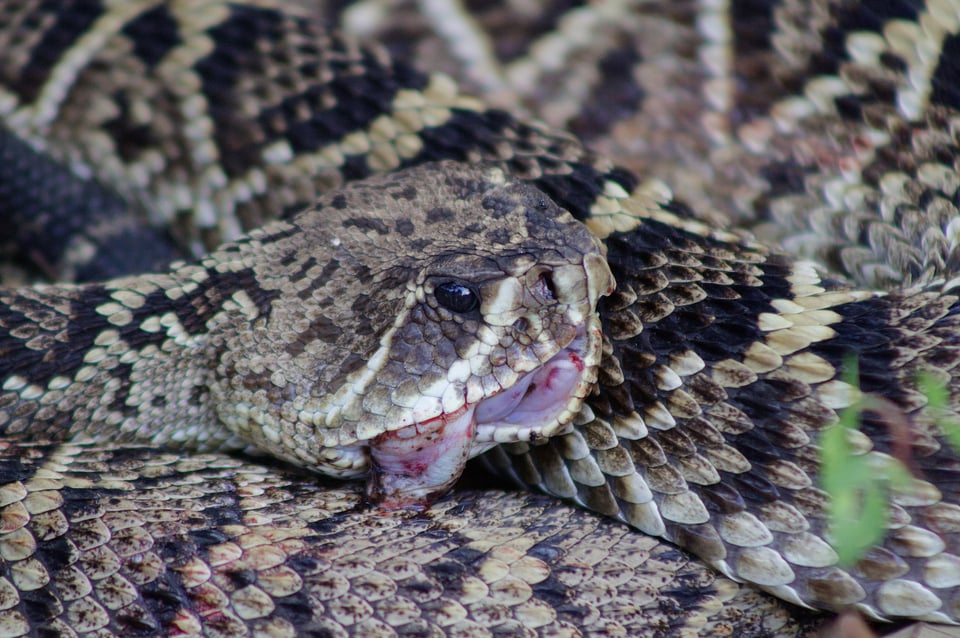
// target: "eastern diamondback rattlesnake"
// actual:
[[719, 364]]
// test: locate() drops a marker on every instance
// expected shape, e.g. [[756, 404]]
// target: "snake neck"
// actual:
[[130, 359]]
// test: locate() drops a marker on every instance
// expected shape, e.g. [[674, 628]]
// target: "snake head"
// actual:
[[506, 349], [436, 313]]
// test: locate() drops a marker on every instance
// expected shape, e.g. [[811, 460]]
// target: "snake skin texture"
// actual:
[[825, 125], [722, 360], [138, 542]]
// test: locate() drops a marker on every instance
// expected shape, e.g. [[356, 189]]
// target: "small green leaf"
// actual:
[[858, 489], [934, 390], [868, 529], [952, 430], [898, 475], [938, 400]]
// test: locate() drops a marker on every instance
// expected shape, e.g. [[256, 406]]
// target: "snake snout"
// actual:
[[577, 284], [600, 279]]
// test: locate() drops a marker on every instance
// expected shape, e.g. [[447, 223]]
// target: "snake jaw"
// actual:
[[545, 399], [414, 465]]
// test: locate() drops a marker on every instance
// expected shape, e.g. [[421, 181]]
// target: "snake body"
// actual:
[[264, 109]]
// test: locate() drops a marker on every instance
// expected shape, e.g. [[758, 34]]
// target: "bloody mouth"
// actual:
[[414, 465]]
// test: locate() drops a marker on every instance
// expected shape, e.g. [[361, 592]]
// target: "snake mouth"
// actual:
[[412, 466], [543, 400]]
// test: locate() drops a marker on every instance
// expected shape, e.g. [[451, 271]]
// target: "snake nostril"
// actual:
[[521, 325], [546, 284]]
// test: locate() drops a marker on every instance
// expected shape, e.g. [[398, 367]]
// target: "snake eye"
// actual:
[[457, 297]]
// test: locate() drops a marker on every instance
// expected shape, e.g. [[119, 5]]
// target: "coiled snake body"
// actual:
[[390, 325]]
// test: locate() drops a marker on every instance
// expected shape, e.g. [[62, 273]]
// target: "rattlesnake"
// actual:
[[679, 439]]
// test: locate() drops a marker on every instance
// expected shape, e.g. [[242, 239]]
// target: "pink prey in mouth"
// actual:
[[415, 465]]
